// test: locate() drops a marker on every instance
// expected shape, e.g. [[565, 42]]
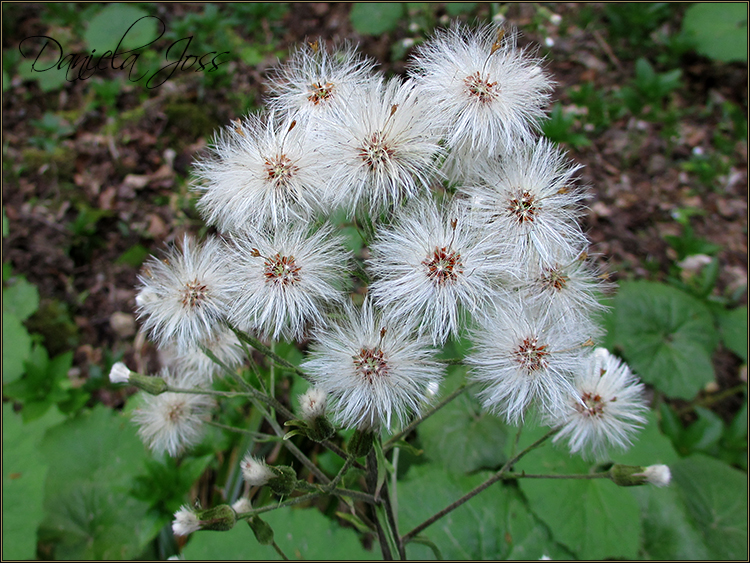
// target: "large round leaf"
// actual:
[[666, 335]]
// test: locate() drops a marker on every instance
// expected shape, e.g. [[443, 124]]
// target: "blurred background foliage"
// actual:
[[651, 97]]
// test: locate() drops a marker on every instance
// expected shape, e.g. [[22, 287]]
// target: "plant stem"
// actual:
[[522, 475], [371, 479], [712, 399], [259, 436], [496, 477], [393, 439], [266, 351], [278, 550]]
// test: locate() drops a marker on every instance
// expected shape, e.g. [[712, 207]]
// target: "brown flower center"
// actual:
[[194, 294], [370, 363], [443, 265], [481, 88], [281, 270], [375, 152], [554, 278], [530, 356], [593, 405], [280, 170], [320, 92], [524, 206]]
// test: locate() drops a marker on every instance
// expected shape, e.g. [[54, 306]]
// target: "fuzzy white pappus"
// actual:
[[183, 297], [607, 410], [314, 79], [262, 171], [313, 404], [490, 93], [382, 144], [432, 265], [375, 372], [523, 357], [530, 200], [185, 522], [172, 422], [286, 279], [255, 471]]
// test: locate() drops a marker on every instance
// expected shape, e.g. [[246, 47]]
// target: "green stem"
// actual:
[[274, 506], [712, 399], [522, 475], [278, 550], [393, 439], [468, 496], [259, 436], [266, 351]]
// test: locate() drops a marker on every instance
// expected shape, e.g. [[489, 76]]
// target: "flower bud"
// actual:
[[149, 384], [262, 530], [220, 518], [320, 429], [360, 443], [120, 373], [285, 481], [633, 475]]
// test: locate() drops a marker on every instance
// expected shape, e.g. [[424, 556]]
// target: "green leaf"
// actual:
[[21, 299], [374, 18], [133, 256], [111, 24], [16, 347], [719, 30], [460, 436], [496, 524], [24, 472], [716, 498], [90, 511], [665, 335], [733, 327], [300, 533], [594, 518]]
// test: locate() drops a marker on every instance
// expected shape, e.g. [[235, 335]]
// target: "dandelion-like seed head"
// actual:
[[172, 422], [554, 279], [606, 410], [194, 294], [374, 372]]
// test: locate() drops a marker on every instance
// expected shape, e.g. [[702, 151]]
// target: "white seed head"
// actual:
[[185, 522], [313, 404], [657, 475], [120, 373], [607, 409], [241, 505], [172, 422], [255, 471], [184, 296], [374, 371], [286, 280]]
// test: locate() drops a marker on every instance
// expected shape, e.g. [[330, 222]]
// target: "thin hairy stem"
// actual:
[[522, 475], [266, 351], [278, 550], [468, 496], [259, 436]]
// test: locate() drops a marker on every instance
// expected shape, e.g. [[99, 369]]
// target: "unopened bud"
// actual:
[[360, 443], [262, 530], [220, 518], [151, 385], [633, 475], [120, 373], [285, 481]]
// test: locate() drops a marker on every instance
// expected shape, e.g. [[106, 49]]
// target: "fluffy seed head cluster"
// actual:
[[185, 522], [172, 422], [471, 223], [375, 372], [255, 471], [607, 409]]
